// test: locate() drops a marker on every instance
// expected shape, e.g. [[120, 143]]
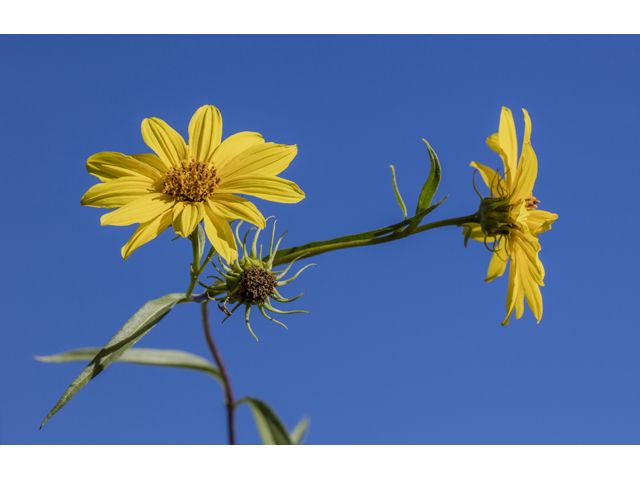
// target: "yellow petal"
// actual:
[[512, 291], [111, 165], [186, 217], [219, 234], [118, 192], [519, 214], [205, 132], [498, 261], [261, 159], [527, 127], [508, 144], [164, 140], [233, 146], [494, 143], [520, 304], [142, 210], [526, 174], [152, 160], [274, 189], [526, 248], [147, 232], [230, 207], [531, 290], [540, 221], [491, 179]]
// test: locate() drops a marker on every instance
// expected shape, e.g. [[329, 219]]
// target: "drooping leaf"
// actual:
[[300, 431], [397, 192], [142, 356], [136, 327], [431, 185], [270, 427]]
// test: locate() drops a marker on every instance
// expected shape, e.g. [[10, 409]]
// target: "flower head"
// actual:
[[509, 218], [249, 280], [182, 185]]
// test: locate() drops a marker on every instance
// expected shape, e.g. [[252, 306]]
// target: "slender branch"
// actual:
[[228, 390], [375, 237]]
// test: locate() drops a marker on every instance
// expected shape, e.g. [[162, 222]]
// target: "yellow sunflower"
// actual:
[[186, 184], [509, 218]]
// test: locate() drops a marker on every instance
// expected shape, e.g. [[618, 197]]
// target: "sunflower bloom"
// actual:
[[510, 219], [183, 185]]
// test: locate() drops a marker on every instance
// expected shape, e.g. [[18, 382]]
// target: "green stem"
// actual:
[[374, 237], [195, 266]]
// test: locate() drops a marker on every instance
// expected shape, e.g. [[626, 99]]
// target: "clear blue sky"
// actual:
[[403, 344]]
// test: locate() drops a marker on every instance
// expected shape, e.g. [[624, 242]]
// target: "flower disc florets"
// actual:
[[192, 181], [249, 280], [256, 286]]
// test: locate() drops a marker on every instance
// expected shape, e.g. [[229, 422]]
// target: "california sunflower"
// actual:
[[510, 220], [185, 184]]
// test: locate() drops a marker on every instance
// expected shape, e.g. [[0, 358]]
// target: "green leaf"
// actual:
[[136, 327], [142, 356], [201, 240], [431, 185], [418, 218], [270, 427], [297, 434], [397, 192]]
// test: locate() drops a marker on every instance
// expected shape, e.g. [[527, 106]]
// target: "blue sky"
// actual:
[[403, 344]]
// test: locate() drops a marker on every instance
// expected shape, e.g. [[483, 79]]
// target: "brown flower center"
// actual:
[[256, 285], [532, 203], [191, 181]]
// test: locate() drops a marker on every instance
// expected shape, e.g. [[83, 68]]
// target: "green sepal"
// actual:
[[142, 356], [431, 185], [271, 429], [136, 327]]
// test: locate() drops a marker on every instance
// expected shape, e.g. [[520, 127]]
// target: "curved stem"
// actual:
[[388, 234], [228, 390]]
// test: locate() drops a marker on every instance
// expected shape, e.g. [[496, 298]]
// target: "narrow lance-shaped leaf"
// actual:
[[397, 192], [136, 327], [431, 185], [300, 431], [142, 356], [270, 427]]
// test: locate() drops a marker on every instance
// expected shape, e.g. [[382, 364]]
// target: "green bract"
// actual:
[[250, 281]]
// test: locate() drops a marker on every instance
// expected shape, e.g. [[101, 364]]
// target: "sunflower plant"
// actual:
[[195, 189]]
